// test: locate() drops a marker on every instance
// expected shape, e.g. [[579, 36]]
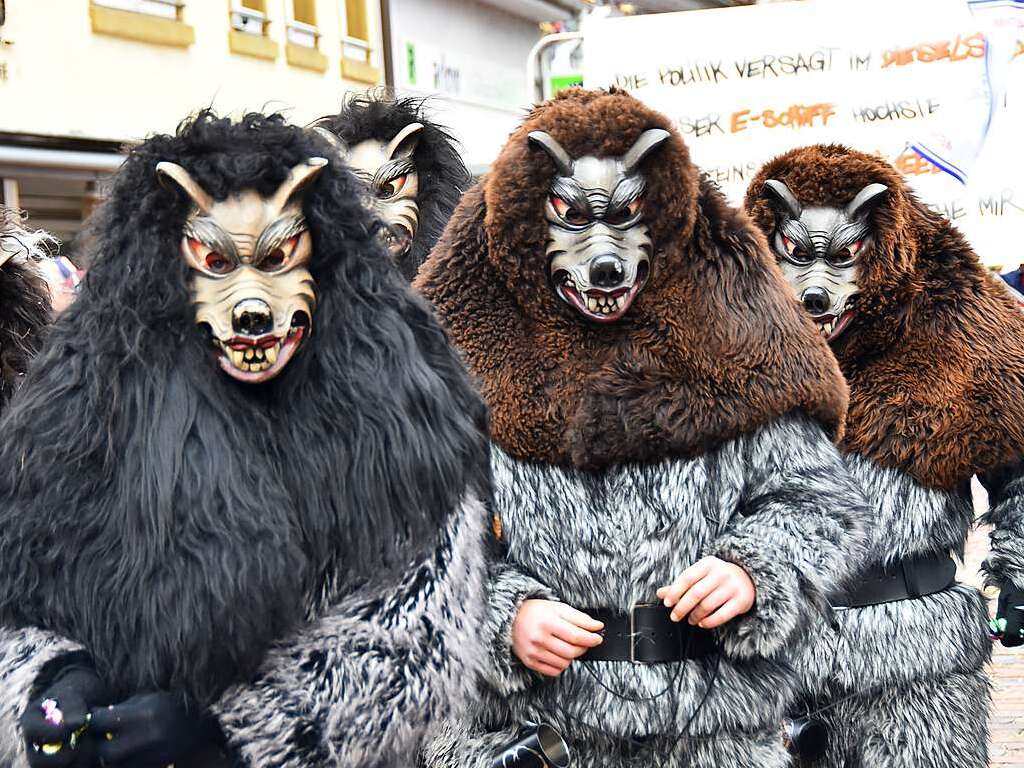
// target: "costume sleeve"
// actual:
[[508, 588], [361, 685], [24, 653], [1005, 563], [797, 532]]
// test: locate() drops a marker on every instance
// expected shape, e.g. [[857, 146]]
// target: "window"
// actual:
[[250, 16], [355, 20], [302, 46], [302, 29], [167, 9], [151, 21], [355, 44]]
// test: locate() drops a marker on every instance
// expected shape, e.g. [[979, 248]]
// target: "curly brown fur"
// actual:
[[935, 357], [176, 522], [443, 177], [711, 348], [24, 304]]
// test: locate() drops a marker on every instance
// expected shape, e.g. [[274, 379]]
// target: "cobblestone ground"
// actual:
[[1007, 723]]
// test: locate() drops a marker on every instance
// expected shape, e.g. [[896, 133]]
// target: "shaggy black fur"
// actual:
[[443, 176], [176, 521], [24, 310]]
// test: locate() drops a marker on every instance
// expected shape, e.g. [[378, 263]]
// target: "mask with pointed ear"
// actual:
[[248, 257], [820, 248], [598, 248], [389, 171]]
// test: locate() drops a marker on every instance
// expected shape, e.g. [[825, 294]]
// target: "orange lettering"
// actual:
[[739, 121]]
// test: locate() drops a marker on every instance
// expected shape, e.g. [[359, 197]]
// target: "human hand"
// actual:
[[711, 592], [547, 635]]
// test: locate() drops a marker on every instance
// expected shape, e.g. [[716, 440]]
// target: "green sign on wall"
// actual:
[[561, 82], [410, 62]]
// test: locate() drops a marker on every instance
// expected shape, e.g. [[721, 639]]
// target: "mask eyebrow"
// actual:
[[277, 232], [392, 170], [625, 192], [212, 235], [846, 234], [797, 232], [570, 190]]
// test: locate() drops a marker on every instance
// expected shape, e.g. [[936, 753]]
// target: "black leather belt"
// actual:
[[909, 578], [646, 635]]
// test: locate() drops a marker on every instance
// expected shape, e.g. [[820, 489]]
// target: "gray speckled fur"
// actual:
[[778, 502], [23, 652], [1006, 516], [908, 674], [357, 687]]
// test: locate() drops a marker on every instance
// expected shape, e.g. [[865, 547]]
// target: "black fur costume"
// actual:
[[442, 174], [24, 304], [175, 523]]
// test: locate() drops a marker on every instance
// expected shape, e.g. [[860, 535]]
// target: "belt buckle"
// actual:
[[633, 634]]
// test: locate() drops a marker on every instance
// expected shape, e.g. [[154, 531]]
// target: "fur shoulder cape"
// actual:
[[712, 347], [176, 522], [935, 355]]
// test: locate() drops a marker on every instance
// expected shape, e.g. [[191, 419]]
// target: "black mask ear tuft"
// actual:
[[782, 198]]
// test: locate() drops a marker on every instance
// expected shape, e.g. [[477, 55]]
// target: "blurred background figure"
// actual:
[[1013, 278], [63, 278]]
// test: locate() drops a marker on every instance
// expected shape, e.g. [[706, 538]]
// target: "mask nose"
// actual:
[[252, 317], [606, 272], [816, 301]]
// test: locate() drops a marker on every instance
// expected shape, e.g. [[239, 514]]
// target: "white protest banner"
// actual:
[[744, 84]]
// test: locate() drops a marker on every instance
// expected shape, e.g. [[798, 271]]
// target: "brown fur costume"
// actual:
[[935, 359], [712, 347]]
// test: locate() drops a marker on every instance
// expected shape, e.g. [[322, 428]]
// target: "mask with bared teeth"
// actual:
[[819, 249], [250, 284], [598, 248]]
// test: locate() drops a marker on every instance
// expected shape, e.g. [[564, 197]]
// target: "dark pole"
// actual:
[[385, 33]]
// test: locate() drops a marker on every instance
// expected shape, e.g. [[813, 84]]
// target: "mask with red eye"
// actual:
[[391, 188], [847, 254], [795, 252], [567, 213], [625, 214], [205, 259], [280, 257]]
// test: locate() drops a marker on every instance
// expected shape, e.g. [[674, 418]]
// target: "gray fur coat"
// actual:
[[778, 502], [900, 643], [356, 687]]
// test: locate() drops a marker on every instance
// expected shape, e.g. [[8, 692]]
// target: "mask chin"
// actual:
[[258, 359]]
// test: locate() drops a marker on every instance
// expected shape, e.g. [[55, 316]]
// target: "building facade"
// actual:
[[79, 78]]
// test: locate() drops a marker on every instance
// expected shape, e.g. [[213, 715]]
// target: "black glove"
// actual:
[[55, 723], [1011, 609], [151, 730]]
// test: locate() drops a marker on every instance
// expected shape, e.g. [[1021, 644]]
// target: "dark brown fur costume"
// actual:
[[935, 355], [711, 348]]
